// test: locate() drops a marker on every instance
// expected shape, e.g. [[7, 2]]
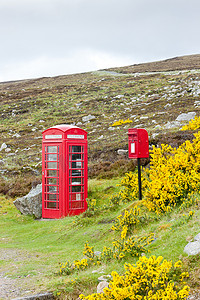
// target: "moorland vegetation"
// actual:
[[140, 243]]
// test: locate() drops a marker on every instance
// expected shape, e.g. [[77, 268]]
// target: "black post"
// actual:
[[139, 179]]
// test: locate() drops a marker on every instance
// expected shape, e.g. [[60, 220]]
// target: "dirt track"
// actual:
[[11, 288]]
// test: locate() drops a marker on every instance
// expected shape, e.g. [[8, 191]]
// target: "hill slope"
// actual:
[[187, 62], [151, 100]]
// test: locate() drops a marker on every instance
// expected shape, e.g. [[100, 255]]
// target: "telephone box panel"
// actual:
[[64, 171], [138, 143]]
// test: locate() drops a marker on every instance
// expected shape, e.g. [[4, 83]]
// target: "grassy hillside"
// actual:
[[32, 250], [153, 101]]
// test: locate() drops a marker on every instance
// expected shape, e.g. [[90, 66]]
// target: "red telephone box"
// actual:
[[64, 171], [138, 143]]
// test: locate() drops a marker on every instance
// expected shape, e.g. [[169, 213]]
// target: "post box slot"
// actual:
[[132, 147]]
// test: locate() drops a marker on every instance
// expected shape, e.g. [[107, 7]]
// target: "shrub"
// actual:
[[193, 124], [173, 177], [149, 279], [129, 218]]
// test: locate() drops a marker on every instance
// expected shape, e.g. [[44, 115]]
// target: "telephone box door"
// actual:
[[52, 165], [77, 178]]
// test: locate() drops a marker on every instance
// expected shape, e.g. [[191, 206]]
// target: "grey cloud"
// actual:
[[141, 29]]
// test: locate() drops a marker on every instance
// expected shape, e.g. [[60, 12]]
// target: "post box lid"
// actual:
[[137, 131], [132, 130]]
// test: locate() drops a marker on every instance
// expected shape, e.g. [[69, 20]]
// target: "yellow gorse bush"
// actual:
[[174, 175], [81, 264], [121, 248], [148, 279], [193, 124], [130, 218], [121, 122]]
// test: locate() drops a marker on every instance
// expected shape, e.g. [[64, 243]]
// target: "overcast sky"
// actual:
[[55, 37]]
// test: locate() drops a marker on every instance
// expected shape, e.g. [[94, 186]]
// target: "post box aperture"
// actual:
[[138, 143], [64, 171]]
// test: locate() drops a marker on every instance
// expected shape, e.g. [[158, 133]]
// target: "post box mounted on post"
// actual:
[[138, 147]]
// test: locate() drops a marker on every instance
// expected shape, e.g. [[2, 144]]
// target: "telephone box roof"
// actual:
[[64, 127]]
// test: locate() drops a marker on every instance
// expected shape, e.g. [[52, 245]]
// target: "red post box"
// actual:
[[64, 171], [138, 143], [138, 147]]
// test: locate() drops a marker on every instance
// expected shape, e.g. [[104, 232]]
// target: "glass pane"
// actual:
[[76, 189], [76, 149], [77, 204], [76, 173], [52, 149], [51, 204], [52, 157], [75, 181], [76, 156], [52, 189], [52, 165], [76, 165], [51, 197], [52, 181], [75, 197], [52, 173]]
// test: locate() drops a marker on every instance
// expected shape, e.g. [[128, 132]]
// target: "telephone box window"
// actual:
[[76, 149], [53, 181]]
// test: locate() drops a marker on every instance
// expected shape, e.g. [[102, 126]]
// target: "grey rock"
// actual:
[[173, 124], [101, 286], [197, 237], [192, 248], [3, 146], [31, 204], [104, 278], [97, 253], [157, 127], [154, 135], [17, 135], [186, 117], [42, 296], [88, 118], [122, 152]]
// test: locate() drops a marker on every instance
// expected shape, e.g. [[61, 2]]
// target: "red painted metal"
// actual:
[[64, 171], [138, 143]]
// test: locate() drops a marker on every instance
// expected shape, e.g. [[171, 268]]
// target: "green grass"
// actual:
[[36, 248]]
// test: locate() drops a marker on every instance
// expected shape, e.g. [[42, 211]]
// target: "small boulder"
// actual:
[[122, 152], [103, 284], [197, 237], [31, 204], [186, 116], [192, 248], [88, 118], [104, 278], [3, 146]]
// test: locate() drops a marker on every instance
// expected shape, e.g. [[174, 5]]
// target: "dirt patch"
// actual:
[[10, 287]]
